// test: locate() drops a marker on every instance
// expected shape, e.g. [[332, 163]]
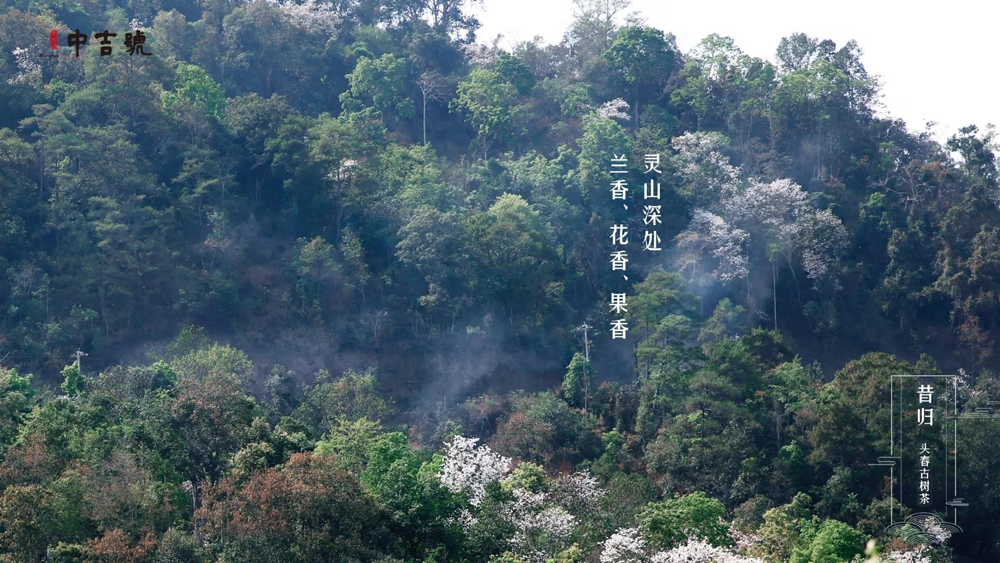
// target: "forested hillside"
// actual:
[[308, 282]]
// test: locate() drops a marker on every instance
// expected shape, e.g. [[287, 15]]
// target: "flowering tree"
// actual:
[[578, 491], [540, 532], [697, 551], [743, 223], [320, 17], [628, 546], [614, 109], [29, 71], [467, 469], [624, 546], [710, 234], [535, 522], [922, 555], [706, 173]]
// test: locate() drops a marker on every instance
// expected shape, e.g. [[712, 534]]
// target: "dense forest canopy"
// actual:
[[307, 283]]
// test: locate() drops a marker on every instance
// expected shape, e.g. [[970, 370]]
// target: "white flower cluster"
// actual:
[[773, 204], [554, 521], [615, 109], [744, 541], [922, 555], [541, 534], [822, 236], [697, 551], [466, 519], [938, 533], [480, 55], [29, 71], [627, 546], [709, 233], [965, 390], [624, 546], [703, 167], [580, 489], [540, 530], [524, 502], [774, 215], [468, 469], [312, 15]]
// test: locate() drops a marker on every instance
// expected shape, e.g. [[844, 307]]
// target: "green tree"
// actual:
[[835, 542], [313, 266], [379, 84], [195, 86], [578, 382], [671, 522], [513, 256], [644, 57], [330, 401], [73, 382], [15, 402], [491, 105]]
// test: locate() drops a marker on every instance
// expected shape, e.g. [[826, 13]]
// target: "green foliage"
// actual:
[[195, 86], [491, 106], [513, 70], [378, 84], [724, 322], [544, 429], [528, 476], [330, 402], [350, 441], [313, 266], [73, 382], [614, 454], [671, 522], [178, 547], [578, 383], [643, 56], [513, 258], [15, 402], [834, 542], [211, 360]]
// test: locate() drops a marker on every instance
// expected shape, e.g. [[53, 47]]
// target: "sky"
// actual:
[[936, 61]]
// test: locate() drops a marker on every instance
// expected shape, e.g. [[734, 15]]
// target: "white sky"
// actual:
[[936, 61]]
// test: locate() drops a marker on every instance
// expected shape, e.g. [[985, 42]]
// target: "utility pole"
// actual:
[[79, 354], [586, 368]]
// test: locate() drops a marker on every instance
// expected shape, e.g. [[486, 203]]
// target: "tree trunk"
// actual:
[[635, 126], [774, 292]]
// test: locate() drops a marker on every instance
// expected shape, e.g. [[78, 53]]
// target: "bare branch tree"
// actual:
[[433, 86]]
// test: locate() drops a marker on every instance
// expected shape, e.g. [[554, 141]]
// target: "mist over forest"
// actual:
[[307, 281]]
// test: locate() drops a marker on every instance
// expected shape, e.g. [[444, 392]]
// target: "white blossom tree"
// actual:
[[745, 223], [578, 491], [614, 109], [540, 534], [922, 555], [710, 234], [312, 15], [29, 71], [624, 546], [468, 469], [481, 55], [706, 173], [698, 551], [821, 236]]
